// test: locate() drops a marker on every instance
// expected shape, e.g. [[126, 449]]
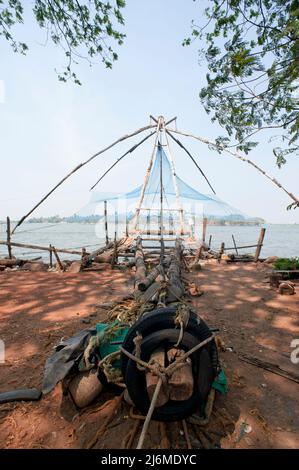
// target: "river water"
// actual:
[[280, 240]]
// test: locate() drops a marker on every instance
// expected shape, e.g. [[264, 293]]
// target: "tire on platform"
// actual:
[[161, 319], [136, 380]]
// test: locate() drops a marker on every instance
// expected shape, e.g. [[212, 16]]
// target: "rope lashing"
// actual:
[[181, 320]]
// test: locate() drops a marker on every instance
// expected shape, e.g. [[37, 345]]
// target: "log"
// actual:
[[140, 274], [152, 380], [145, 283], [176, 287], [181, 383], [259, 244], [8, 263]]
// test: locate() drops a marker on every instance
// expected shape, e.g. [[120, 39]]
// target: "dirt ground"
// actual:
[[38, 309]]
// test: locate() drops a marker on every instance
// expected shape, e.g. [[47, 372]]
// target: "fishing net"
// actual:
[[177, 194]]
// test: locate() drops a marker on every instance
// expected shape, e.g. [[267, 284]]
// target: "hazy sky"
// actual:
[[47, 127]]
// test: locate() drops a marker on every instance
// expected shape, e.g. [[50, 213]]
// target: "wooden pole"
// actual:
[[148, 222], [239, 156], [210, 241], [8, 233], [127, 226], [204, 228], [41, 248], [147, 175], [123, 156], [114, 256], [115, 224], [127, 136], [140, 274], [221, 251], [51, 256], [57, 258], [235, 244], [106, 222], [176, 187], [259, 244]]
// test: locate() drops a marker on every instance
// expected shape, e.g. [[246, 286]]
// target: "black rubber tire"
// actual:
[[161, 319], [136, 382]]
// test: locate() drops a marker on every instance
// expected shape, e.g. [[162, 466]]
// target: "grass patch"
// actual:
[[287, 264]]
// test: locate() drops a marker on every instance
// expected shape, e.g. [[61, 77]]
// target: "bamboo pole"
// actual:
[[176, 187], [259, 244], [51, 256], [106, 222], [127, 136], [120, 158], [147, 175], [148, 222], [235, 244], [240, 247], [204, 228], [194, 161], [41, 248], [240, 157], [127, 226], [8, 234], [57, 258]]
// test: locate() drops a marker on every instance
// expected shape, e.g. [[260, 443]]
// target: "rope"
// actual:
[[149, 414], [182, 319]]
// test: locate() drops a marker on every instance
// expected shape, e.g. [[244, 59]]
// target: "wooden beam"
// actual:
[[41, 248], [259, 244], [8, 234]]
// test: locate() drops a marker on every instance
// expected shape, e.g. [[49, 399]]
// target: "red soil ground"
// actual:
[[38, 309]]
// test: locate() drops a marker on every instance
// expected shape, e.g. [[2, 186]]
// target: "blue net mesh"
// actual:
[[192, 201]]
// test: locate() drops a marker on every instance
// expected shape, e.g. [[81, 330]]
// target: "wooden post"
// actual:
[[171, 224], [8, 232], [235, 244], [259, 244], [204, 228], [221, 251], [148, 222], [57, 258], [51, 256], [140, 274], [127, 226], [114, 255], [210, 241], [115, 224], [106, 222]]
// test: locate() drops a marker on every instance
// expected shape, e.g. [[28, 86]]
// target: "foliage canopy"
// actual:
[[251, 48], [84, 29]]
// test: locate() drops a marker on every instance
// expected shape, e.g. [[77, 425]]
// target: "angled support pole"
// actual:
[[127, 136]]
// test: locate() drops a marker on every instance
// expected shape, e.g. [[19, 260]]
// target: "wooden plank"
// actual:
[[152, 380], [181, 383]]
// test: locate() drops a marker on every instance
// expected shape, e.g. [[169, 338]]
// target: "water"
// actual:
[[280, 240]]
